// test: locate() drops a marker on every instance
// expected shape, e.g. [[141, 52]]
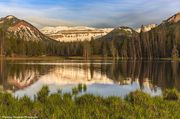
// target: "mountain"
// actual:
[[21, 29], [174, 19], [78, 33], [146, 28], [163, 40], [20, 38], [119, 32], [121, 42]]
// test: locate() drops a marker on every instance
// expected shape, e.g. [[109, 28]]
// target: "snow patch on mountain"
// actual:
[[175, 18], [26, 33], [78, 33], [21, 29], [146, 28], [10, 17]]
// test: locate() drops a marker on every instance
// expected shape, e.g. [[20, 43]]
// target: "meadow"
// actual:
[[137, 104]]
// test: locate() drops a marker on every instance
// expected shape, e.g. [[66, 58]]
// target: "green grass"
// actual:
[[67, 106]]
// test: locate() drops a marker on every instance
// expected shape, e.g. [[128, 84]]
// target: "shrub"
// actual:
[[59, 91], [80, 87], [89, 99], [43, 94], [138, 97], [170, 94], [75, 91], [84, 88]]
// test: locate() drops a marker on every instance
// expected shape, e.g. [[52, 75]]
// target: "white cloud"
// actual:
[[99, 13], [39, 17]]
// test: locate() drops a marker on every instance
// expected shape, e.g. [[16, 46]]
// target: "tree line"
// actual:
[[98, 47], [161, 42]]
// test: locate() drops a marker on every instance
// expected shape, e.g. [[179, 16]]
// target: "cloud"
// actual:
[[136, 13], [98, 13], [39, 17], [44, 21]]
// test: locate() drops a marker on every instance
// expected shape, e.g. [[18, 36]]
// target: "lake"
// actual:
[[104, 78]]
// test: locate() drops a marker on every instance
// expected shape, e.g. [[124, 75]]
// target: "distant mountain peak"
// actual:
[[120, 33], [125, 28], [21, 29], [122, 27], [175, 18], [8, 21], [146, 28], [75, 33], [10, 17]]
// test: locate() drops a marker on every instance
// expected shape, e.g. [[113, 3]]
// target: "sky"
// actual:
[[93, 13]]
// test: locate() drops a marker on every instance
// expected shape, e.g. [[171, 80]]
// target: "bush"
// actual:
[[84, 88], [138, 97], [80, 87], [43, 94], [75, 91], [170, 94], [89, 99]]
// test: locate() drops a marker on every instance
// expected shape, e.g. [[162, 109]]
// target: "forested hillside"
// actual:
[[19, 38], [162, 41]]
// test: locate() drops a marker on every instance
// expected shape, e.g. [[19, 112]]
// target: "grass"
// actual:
[[79, 89], [171, 94], [66, 106]]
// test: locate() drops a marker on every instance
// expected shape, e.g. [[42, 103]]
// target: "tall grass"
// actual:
[[137, 104]]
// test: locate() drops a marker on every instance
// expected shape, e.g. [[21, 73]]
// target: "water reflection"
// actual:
[[102, 77]]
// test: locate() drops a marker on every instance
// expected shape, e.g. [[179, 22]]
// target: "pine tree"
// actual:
[[175, 52]]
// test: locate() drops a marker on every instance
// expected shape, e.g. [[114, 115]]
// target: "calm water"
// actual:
[[104, 78]]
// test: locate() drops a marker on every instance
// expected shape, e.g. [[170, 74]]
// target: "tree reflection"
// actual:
[[163, 74], [152, 74]]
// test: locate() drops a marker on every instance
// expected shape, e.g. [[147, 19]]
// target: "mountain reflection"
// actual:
[[16, 76]]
